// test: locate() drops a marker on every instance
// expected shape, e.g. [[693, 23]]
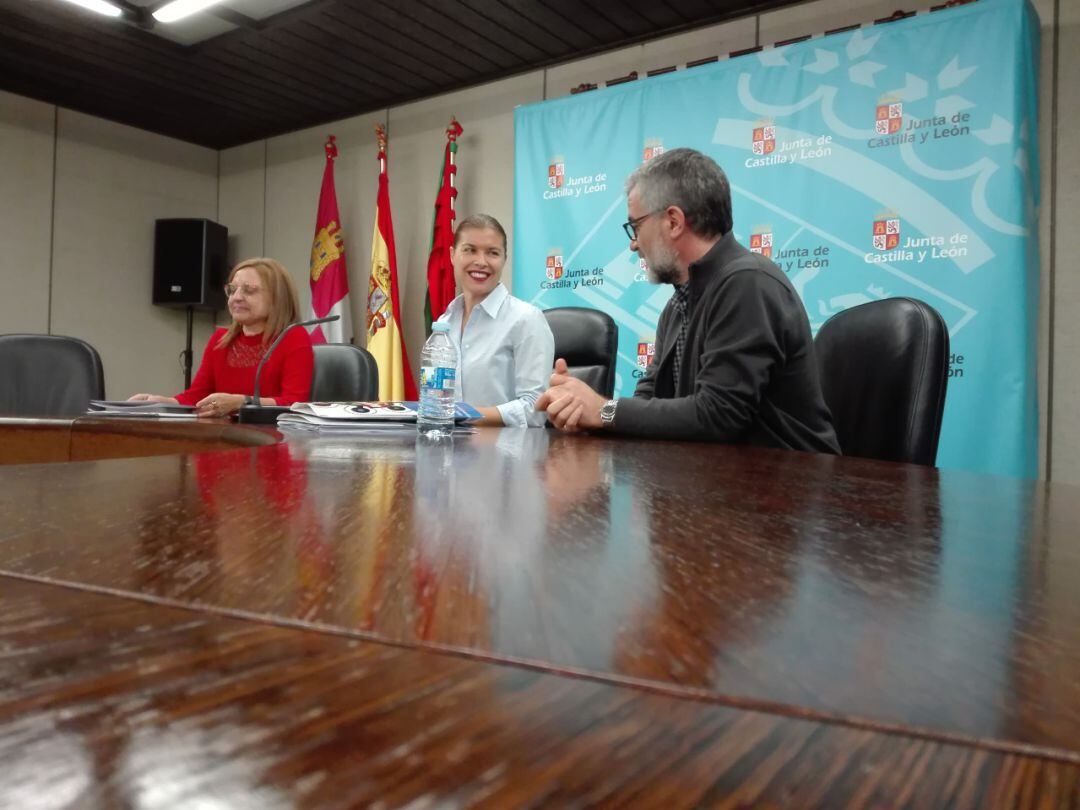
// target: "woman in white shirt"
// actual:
[[505, 345]]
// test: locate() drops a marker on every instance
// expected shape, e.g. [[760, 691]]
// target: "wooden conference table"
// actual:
[[525, 618]]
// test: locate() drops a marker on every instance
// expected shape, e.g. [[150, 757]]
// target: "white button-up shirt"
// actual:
[[505, 355]]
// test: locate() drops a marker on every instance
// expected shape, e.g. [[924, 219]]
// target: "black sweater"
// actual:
[[748, 374]]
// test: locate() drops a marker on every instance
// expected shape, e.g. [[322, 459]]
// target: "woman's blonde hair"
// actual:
[[282, 306]]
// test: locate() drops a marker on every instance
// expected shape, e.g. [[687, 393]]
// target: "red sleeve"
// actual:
[[203, 384], [298, 366]]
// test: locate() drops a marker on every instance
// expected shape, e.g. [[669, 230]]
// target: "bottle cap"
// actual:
[[440, 327]]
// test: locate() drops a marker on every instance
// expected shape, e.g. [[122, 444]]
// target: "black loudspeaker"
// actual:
[[189, 263]]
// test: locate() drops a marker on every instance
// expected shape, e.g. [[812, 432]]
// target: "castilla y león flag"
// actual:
[[440, 271], [329, 279], [386, 341]]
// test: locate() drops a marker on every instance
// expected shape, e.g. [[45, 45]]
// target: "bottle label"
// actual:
[[437, 378]]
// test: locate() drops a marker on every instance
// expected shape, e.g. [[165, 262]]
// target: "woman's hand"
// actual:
[[152, 398], [489, 417], [219, 404]]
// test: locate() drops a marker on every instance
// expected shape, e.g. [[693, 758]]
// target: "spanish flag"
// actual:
[[329, 279], [386, 341]]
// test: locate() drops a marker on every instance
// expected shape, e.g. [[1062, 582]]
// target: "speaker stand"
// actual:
[[187, 348]]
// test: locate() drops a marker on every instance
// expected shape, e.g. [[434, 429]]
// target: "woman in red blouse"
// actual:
[[262, 302]]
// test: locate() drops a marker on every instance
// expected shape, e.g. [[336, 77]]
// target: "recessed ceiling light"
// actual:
[[178, 9], [100, 6]]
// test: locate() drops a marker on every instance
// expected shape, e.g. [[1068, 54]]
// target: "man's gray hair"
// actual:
[[691, 181]]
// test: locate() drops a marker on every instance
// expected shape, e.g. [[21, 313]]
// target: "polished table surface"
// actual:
[[581, 617], [112, 703]]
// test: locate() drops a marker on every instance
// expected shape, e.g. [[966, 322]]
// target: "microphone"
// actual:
[[257, 413]]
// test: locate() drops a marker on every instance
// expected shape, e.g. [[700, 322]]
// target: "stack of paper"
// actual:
[[140, 408], [364, 416]]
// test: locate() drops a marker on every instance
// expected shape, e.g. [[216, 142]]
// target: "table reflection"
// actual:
[[44, 765], [185, 766], [891, 592]]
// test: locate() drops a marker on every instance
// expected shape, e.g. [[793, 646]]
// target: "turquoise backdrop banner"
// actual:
[[891, 160]]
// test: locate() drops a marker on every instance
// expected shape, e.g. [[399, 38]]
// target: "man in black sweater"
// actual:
[[734, 358]]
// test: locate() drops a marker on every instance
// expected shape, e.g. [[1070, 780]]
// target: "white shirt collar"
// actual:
[[491, 305], [494, 301]]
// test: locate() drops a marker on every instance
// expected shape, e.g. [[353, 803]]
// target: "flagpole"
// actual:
[[380, 135], [452, 133]]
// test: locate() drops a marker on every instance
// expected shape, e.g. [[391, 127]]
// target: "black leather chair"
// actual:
[[48, 375], [344, 373], [588, 340], [884, 369]]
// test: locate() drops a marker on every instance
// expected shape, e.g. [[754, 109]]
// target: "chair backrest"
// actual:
[[884, 370], [344, 373], [588, 340], [48, 375]]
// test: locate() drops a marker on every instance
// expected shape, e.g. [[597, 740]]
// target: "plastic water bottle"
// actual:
[[438, 380]]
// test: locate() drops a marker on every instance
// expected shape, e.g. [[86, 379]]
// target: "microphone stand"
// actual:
[[257, 413]]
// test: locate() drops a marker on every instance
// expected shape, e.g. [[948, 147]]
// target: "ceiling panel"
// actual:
[[249, 69]]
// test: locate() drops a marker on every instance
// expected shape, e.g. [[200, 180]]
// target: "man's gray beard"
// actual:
[[664, 271]]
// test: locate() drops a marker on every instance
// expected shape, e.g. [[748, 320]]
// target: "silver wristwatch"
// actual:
[[607, 412]]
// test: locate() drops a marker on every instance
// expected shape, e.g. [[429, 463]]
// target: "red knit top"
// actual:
[[286, 377]]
